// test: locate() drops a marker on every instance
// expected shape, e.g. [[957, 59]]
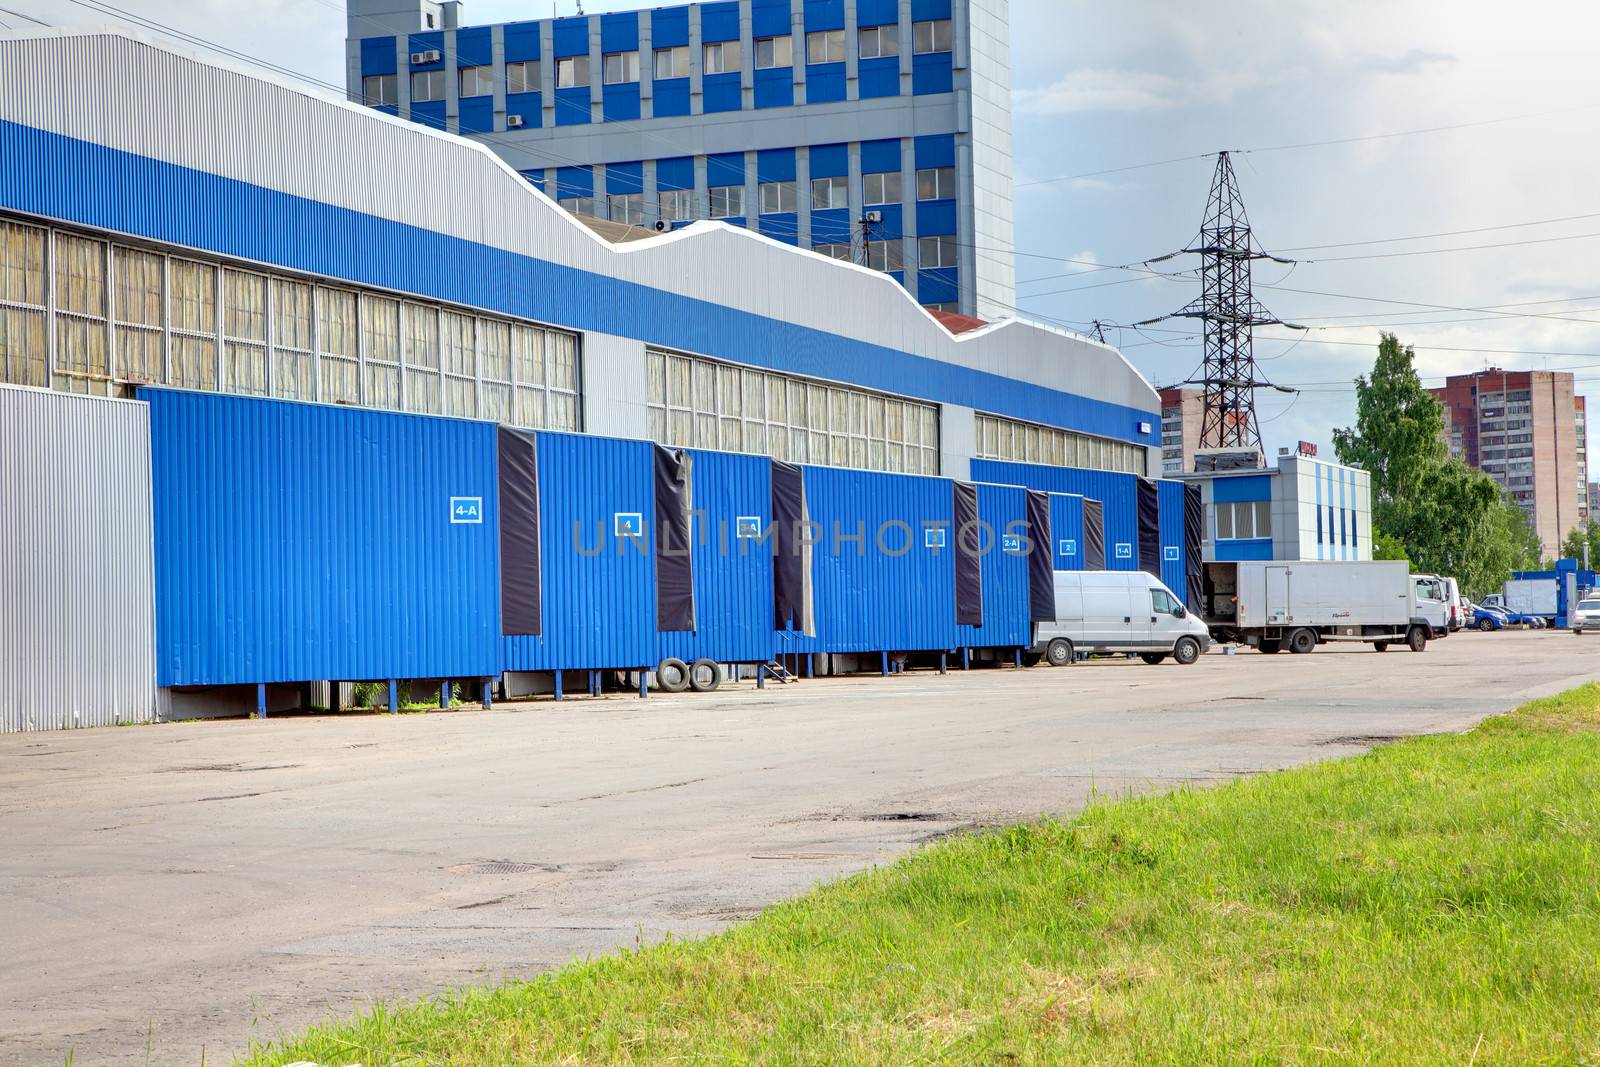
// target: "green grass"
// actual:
[[1436, 901]]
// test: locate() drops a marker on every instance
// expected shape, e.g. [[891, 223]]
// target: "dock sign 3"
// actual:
[[466, 509]]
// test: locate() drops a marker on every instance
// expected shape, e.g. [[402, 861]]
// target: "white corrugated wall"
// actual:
[[77, 600]]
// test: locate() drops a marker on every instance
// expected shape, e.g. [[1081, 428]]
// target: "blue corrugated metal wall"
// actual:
[[1169, 494], [1116, 491], [599, 607], [732, 576], [869, 600], [1066, 528], [1005, 574], [296, 542]]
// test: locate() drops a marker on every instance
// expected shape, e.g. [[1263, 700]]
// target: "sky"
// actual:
[[1322, 107]]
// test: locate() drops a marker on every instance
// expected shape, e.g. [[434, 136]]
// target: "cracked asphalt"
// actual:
[[191, 887]]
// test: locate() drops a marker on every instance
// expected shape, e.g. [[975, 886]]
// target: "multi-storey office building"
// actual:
[[1180, 429], [1521, 428], [1305, 508], [141, 245], [872, 130]]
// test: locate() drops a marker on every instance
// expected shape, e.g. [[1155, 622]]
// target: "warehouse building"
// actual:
[[268, 282], [875, 131], [1306, 508]]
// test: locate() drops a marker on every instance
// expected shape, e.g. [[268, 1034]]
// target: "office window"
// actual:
[[1026, 442], [578, 205], [522, 77], [626, 208], [477, 81], [936, 252], [621, 67], [825, 46], [427, 85], [721, 57], [695, 402], [727, 201], [886, 255], [932, 36], [835, 251], [774, 52], [829, 193], [677, 205], [881, 188], [936, 183], [1244, 519], [777, 197], [379, 90], [672, 62], [878, 42], [572, 72]]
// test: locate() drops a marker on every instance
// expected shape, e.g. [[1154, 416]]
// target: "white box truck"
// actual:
[[1119, 611], [1300, 604]]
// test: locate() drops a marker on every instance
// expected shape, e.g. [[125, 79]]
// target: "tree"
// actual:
[[1435, 511], [1579, 538]]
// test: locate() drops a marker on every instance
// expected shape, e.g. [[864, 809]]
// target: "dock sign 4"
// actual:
[[627, 524], [466, 509]]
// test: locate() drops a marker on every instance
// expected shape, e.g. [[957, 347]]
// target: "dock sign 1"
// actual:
[[466, 509], [1170, 553]]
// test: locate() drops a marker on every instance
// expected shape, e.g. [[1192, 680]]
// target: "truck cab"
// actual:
[[1434, 602]]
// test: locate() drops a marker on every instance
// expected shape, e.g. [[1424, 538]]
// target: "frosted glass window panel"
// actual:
[[245, 299], [138, 288]]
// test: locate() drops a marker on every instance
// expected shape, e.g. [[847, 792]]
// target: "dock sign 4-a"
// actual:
[[466, 509]]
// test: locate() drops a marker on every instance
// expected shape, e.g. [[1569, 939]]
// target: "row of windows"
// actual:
[[124, 314], [703, 403], [618, 68], [776, 198], [1346, 526], [1026, 442]]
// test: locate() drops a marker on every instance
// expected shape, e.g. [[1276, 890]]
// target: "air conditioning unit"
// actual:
[[513, 122], [873, 217], [432, 55]]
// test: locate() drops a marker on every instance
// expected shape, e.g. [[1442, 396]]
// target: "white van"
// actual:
[[1119, 611]]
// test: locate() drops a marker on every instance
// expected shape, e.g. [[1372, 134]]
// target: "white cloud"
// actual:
[[1090, 89]]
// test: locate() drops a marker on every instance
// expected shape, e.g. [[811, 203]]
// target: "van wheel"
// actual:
[[1153, 658], [1380, 646], [1186, 651], [1302, 641], [1416, 639], [705, 675], [1270, 647], [672, 675], [1059, 652]]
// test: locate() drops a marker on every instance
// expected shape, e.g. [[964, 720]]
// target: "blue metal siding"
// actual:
[[530, 106], [935, 150], [877, 12], [669, 27], [830, 160], [824, 15], [296, 542], [932, 73], [870, 600], [1116, 491], [570, 36], [719, 21], [825, 83], [429, 113], [620, 102], [573, 107], [774, 88], [775, 165], [1005, 573], [619, 32], [474, 47], [937, 286], [599, 608], [521, 41], [60, 177], [878, 77], [769, 18], [670, 97], [1253, 548], [936, 217], [1066, 532], [624, 178], [574, 181], [732, 576], [926, 10], [1228, 490], [720, 92], [427, 42], [1169, 495], [377, 56], [477, 114], [878, 157]]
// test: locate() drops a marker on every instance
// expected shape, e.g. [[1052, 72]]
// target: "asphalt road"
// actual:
[[191, 887]]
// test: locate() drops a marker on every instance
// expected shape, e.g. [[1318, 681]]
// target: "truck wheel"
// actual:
[[1302, 641], [1186, 651], [705, 675], [1059, 652], [1270, 646], [1416, 639], [1153, 658], [672, 675], [1032, 659], [1380, 646]]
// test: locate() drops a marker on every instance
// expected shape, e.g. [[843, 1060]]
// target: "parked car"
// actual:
[[1586, 616], [1489, 619], [1119, 611]]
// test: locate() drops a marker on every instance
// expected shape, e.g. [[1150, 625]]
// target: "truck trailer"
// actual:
[[1300, 604]]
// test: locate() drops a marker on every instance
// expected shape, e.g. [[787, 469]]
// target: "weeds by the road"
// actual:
[[1435, 901]]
